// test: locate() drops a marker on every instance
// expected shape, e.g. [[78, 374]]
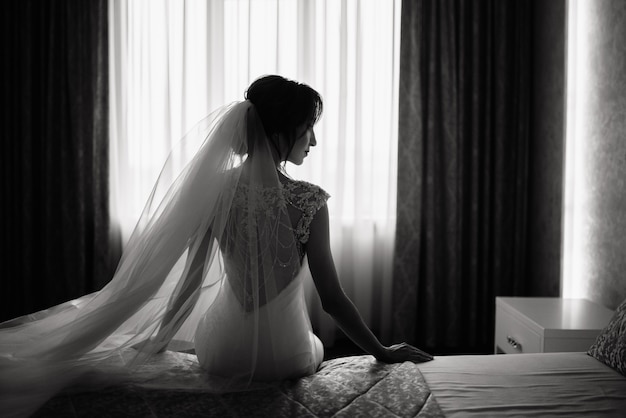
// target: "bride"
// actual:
[[215, 264]]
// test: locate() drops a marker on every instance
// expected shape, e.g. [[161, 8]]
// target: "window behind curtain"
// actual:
[[173, 62]]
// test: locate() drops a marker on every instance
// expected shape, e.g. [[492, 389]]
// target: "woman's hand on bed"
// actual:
[[399, 353]]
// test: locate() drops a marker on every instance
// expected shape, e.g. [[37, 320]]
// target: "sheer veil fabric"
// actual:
[[212, 264]]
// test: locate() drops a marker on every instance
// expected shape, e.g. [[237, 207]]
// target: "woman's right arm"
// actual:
[[337, 304]]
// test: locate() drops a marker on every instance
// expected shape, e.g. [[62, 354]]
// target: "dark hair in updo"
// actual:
[[283, 105]]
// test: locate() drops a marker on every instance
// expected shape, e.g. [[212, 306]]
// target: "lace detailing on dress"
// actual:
[[301, 195], [308, 199], [267, 199], [260, 229]]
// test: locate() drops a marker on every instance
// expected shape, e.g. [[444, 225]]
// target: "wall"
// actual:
[[597, 261]]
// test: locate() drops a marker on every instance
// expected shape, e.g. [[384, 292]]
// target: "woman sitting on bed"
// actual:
[[258, 324], [216, 262]]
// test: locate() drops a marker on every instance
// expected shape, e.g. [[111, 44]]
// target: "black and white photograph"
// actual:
[[313, 208]]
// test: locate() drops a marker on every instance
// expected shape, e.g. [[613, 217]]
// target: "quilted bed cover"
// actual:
[[343, 387]]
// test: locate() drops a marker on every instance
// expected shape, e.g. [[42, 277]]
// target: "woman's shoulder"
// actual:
[[306, 196], [301, 187]]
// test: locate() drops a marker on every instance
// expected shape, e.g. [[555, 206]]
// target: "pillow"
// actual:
[[610, 346]]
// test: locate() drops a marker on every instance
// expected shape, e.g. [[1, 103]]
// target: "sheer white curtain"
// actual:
[[174, 61]]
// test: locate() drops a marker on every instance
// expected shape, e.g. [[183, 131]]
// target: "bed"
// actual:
[[577, 384], [542, 385], [552, 384]]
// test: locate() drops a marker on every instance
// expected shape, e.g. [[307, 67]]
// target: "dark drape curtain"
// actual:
[[55, 236], [462, 185]]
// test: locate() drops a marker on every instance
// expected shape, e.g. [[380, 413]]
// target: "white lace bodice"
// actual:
[[308, 199], [305, 197], [271, 241]]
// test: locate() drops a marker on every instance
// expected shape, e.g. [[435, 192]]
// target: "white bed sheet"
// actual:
[[526, 385]]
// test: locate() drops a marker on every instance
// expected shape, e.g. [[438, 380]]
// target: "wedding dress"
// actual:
[[280, 328], [215, 264]]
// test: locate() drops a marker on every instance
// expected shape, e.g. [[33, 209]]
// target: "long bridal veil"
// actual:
[[218, 199]]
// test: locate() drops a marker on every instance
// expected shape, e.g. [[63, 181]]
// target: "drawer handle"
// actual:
[[513, 343]]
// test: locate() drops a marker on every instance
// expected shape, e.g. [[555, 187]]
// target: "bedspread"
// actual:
[[349, 386]]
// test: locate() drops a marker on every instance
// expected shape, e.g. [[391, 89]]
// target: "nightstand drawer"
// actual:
[[513, 336]]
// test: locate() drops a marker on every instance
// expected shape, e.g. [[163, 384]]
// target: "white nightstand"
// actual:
[[542, 325]]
